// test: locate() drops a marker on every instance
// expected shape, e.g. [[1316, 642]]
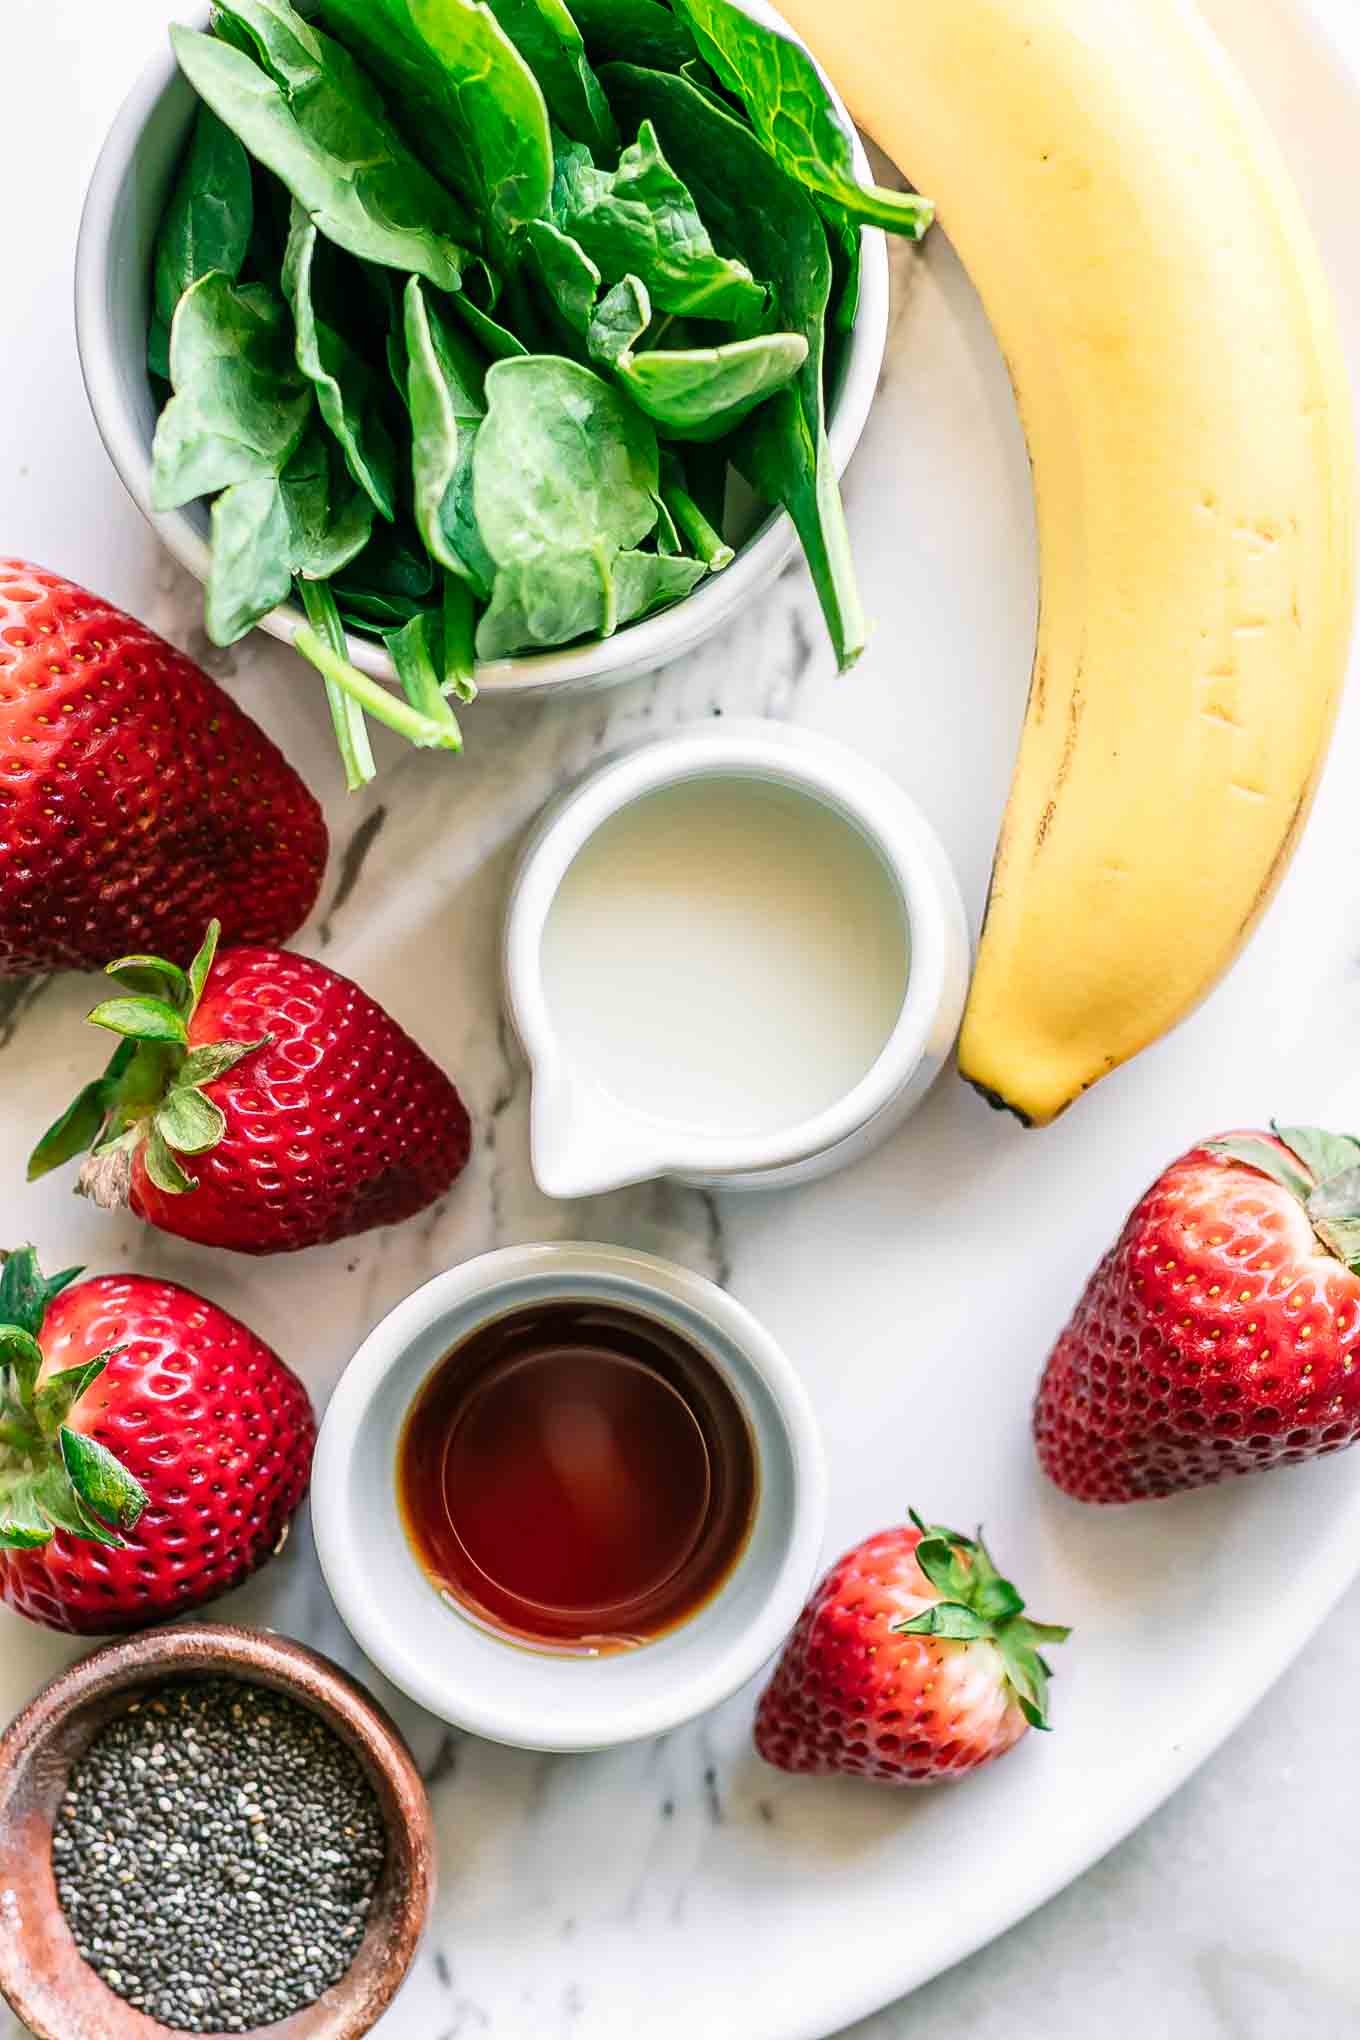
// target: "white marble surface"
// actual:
[[1231, 1911]]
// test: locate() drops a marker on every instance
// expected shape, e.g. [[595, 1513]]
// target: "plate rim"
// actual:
[[1332, 1570]]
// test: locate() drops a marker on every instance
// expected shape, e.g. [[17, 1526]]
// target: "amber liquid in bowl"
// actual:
[[577, 1476]]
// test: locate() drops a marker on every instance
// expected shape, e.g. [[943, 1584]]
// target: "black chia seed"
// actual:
[[215, 1855]]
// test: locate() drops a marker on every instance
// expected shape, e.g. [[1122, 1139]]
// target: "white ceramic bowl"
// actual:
[[123, 209], [583, 1140], [465, 1673]]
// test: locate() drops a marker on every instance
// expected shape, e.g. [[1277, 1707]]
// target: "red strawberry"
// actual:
[[912, 1662], [152, 1450], [1221, 1334], [137, 801], [307, 1112]]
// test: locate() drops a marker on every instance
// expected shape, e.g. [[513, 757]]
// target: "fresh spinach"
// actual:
[[566, 272], [330, 520], [574, 595], [696, 392], [474, 103], [565, 478], [491, 336], [772, 223], [341, 162], [444, 379], [391, 579], [668, 539], [344, 383], [792, 112], [644, 581], [845, 236], [548, 39], [308, 521], [563, 464], [641, 220], [532, 307], [635, 32], [240, 405], [207, 226], [549, 601]]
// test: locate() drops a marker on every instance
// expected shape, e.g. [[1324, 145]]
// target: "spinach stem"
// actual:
[[413, 650], [420, 730], [460, 657], [347, 715], [710, 545]]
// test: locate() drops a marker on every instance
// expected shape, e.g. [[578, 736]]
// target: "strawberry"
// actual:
[[152, 1450], [137, 801], [1221, 1333], [913, 1661], [306, 1111]]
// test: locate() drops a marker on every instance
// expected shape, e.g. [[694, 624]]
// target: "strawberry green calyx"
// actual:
[[51, 1476], [977, 1603], [151, 1095], [1322, 1170]]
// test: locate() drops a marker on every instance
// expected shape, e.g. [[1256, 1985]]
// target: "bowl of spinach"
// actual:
[[492, 347]]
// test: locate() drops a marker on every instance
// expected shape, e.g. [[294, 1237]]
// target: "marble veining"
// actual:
[[642, 1890]]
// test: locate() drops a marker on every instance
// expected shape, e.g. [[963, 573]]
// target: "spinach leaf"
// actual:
[[792, 112], [309, 520], [640, 220], [249, 574], [469, 95], [492, 337], [697, 392], [444, 379], [562, 465], [207, 225], [771, 222], [330, 521], [390, 580], [373, 613], [634, 32], [341, 162], [844, 235], [574, 595], [565, 478], [279, 38], [566, 272], [550, 43], [239, 406], [644, 581], [551, 601], [344, 383], [668, 539]]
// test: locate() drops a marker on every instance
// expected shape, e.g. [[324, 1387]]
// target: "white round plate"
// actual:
[[680, 1888]]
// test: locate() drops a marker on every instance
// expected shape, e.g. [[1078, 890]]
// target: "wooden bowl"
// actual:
[[46, 1981]]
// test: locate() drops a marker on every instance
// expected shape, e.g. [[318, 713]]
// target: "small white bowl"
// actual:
[[584, 1140], [465, 1673], [123, 209]]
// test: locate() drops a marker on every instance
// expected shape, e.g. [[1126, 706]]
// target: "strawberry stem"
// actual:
[[52, 1477]]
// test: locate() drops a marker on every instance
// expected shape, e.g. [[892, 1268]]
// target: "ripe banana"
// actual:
[[1148, 271]]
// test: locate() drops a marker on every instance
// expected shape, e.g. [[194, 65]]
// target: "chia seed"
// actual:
[[217, 1851]]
